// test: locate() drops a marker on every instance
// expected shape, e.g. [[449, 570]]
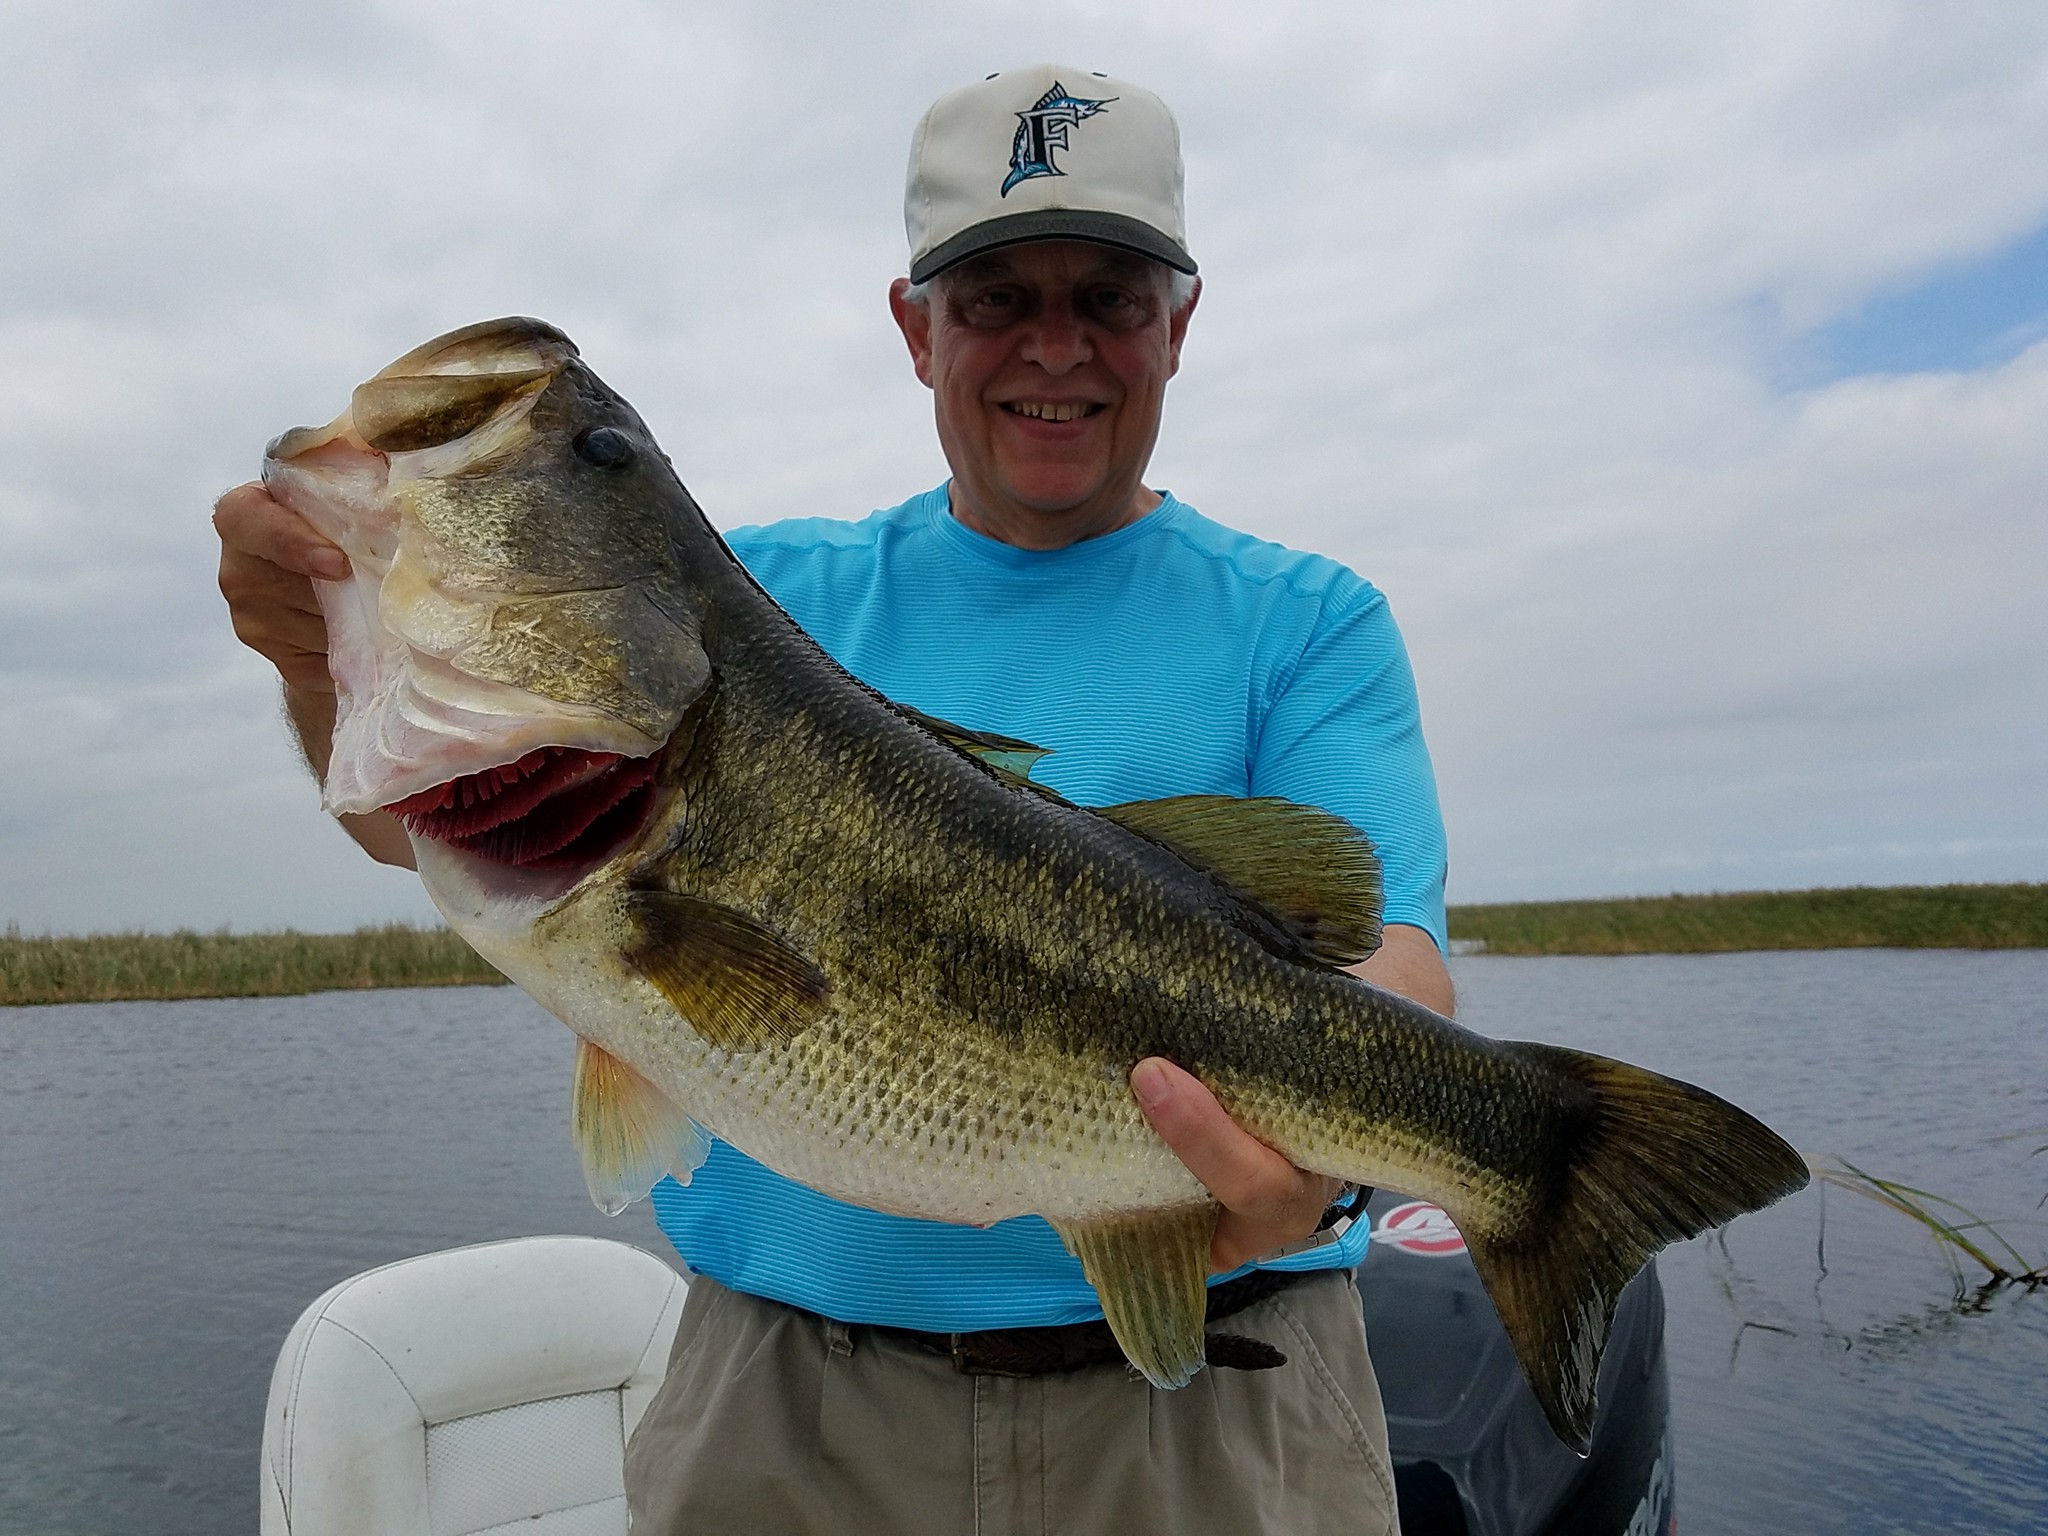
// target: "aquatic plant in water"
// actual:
[[1955, 1227]]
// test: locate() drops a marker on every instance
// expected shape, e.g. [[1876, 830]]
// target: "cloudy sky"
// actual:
[[1679, 370]]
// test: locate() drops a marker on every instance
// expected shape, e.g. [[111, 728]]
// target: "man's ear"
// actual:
[[914, 320], [1177, 327]]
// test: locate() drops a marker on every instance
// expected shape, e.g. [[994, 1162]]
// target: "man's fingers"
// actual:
[[251, 522], [268, 553], [293, 642], [246, 580], [275, 614], [1267, 1201], [1240, 1171]]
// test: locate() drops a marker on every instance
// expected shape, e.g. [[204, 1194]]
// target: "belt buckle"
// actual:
[[956, 1346]]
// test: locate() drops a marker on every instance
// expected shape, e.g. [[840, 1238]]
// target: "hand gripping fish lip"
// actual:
[[452, 661]]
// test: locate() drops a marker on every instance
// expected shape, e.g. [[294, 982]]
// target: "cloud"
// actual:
[[1498, 301]]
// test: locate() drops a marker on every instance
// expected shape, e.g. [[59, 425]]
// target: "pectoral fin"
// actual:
[[627, 1131], [1151, 1272], [1313, 871], [735, 983]]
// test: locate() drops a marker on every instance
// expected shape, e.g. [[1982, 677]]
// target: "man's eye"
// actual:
[[1117, 306], [990, 305]]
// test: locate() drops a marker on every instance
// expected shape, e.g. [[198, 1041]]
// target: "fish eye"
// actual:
[[605, 447]]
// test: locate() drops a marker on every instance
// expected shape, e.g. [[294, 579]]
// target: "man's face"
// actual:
[[1048, 365]]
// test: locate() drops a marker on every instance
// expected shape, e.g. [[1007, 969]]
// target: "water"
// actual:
[[1854, 1397], [178, 1180]]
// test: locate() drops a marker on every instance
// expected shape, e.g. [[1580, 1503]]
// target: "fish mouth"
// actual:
[[555, 809]]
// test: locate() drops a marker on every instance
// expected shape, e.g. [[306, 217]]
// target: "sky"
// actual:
[[1680, 372]]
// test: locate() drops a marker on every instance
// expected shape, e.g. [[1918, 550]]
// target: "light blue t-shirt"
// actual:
[[1171, 657]]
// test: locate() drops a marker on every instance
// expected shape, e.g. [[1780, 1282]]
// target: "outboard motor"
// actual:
[[1472, 1453]]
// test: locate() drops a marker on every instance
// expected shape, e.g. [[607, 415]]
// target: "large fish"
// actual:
[[861, 945]]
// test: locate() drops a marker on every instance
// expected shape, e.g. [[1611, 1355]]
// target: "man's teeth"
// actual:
[[1047, 411]]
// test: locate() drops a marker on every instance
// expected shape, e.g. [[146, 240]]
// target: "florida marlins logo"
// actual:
[[1042, 130]]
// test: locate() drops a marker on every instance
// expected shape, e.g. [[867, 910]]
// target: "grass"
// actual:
[[111, 967], [122, 966], [1857, 917], [1956, 1228]]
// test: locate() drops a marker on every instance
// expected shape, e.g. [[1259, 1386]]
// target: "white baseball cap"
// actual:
[[1045, 153]]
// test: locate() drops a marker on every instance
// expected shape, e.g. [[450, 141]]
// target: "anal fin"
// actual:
[[1150, 1269], [628, 1132]]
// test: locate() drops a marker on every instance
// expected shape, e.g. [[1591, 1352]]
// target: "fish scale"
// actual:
[[860, 945]]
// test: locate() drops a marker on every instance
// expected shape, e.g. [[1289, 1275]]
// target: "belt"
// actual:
[[1075, 1346]]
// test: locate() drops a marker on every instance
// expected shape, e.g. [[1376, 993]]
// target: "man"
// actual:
[[842, 1370]]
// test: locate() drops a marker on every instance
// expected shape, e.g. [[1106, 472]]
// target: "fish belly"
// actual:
[[949, 1130], [871, 1106]]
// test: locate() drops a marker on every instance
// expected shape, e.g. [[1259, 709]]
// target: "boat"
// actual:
[[1472, 1452], [492, 1388]]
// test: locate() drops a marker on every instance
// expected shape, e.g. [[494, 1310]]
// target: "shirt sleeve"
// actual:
[[1343, 731]]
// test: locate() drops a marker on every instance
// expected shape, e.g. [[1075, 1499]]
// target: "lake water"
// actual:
[[178, 1180]]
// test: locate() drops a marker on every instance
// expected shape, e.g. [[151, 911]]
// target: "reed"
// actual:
[[1857, 917], [1955, 1228], [123, 966], [113, 967]]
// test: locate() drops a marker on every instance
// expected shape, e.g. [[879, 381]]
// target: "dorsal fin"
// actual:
[[1010, 757], [1313, 871]]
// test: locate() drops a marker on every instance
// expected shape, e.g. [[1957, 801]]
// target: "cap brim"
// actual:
[[1115, 229]]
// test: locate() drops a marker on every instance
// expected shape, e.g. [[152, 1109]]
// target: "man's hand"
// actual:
[[1267, 1201], [269, 556]]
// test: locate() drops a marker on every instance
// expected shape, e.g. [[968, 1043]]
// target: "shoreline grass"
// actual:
[[122, 967], [161, 967], [1850, 917]]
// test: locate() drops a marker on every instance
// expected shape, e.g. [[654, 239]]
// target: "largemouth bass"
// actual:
[[861, 945]]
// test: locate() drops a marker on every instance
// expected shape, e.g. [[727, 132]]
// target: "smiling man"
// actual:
[[1048, 364], [838, 1369]]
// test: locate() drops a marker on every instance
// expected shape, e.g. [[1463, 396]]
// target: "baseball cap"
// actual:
[[1045, 153]]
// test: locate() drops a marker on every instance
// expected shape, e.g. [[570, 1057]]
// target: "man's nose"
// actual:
[[1058, 340]]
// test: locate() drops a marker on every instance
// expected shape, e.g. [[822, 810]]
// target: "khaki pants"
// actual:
[[775, 1420]]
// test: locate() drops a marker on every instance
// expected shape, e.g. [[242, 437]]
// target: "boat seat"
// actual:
[[479, 1390]]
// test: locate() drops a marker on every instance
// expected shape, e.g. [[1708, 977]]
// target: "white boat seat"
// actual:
[[479, 1390]]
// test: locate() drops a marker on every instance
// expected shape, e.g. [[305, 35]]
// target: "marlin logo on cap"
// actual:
[[1043, 129]]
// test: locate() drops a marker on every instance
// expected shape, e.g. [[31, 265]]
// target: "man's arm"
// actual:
[[268, 557], [1345, 733], [1267, 1201], [1409, 963]]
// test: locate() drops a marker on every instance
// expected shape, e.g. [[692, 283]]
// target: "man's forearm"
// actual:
[[311, 713], [1407, 962]]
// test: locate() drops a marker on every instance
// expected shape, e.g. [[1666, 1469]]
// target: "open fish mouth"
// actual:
[[556, 808], [490, 612]]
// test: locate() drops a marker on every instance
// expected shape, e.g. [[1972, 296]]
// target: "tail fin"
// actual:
[[1655, 1161]]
